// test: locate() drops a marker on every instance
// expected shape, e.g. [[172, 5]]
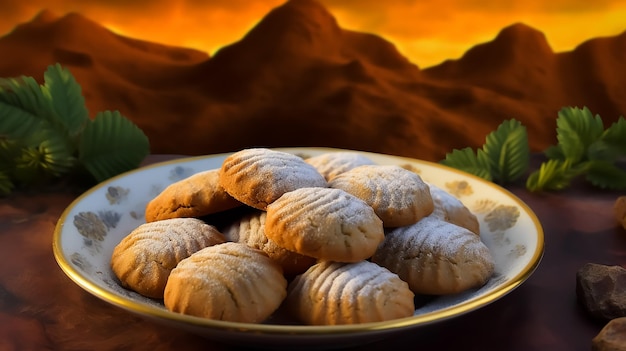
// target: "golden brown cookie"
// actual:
[[451, 209], [331, 293], [250, 229], [231, 282], [195, 196], [325, 223], [258, 176], [398, 196], [436, 257], [331, 164], [143, 260]]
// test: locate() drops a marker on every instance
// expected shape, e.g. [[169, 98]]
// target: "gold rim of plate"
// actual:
[[280, 329]]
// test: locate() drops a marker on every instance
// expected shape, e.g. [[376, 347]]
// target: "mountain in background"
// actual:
[[298, 79]]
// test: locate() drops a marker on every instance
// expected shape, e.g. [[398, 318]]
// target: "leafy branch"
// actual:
[[584, 149], [503, 158], [46, 133]]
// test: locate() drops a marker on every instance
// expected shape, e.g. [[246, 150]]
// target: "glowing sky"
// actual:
[[427, 32]]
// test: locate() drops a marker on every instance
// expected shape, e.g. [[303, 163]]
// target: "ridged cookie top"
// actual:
[[197, 195], [250, 230], [331, 164], [324, 223], [453, 210], [230, 281], [143, 260], [331, 293], [398, 196], [436, 257], [259, 176]]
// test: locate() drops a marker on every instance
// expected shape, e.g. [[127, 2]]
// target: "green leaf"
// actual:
[[29, 167], [468, 161], [58, 105], [576, 130], [25, 93], [584, 148], [48, 160], [555, 152], [601, 150], [56, 157], [111, 144], [42, 128], [68, 102], [552, 175], [615, 136], [20, 124], [6, 185], [9, 151], [606, 175], [507, 150]]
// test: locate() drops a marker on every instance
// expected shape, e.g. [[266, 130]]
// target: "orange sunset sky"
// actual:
[[427, 32]]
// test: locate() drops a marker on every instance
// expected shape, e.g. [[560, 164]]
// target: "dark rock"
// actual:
[[612, 337], [601, 289]]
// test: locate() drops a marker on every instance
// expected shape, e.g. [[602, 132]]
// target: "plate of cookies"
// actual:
[[316, 247]]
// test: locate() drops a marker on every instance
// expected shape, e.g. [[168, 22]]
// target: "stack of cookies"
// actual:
[[331, 239]]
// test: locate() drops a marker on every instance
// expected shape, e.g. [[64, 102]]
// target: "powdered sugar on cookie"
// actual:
[[332, 164], [259, 176], [324, 223], [436, 257]]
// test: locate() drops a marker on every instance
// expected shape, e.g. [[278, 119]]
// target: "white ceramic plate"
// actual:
[[94, 224]]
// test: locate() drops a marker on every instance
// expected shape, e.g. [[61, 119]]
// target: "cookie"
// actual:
[[332, 293], [451, 209], [259, 176], [325, 223], [230, 282], [398, 196], [195, 196], [436, 257], [143, 260], [331, 164], [250, 229]]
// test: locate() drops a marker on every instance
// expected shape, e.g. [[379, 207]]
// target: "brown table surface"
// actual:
[[42, 309]]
